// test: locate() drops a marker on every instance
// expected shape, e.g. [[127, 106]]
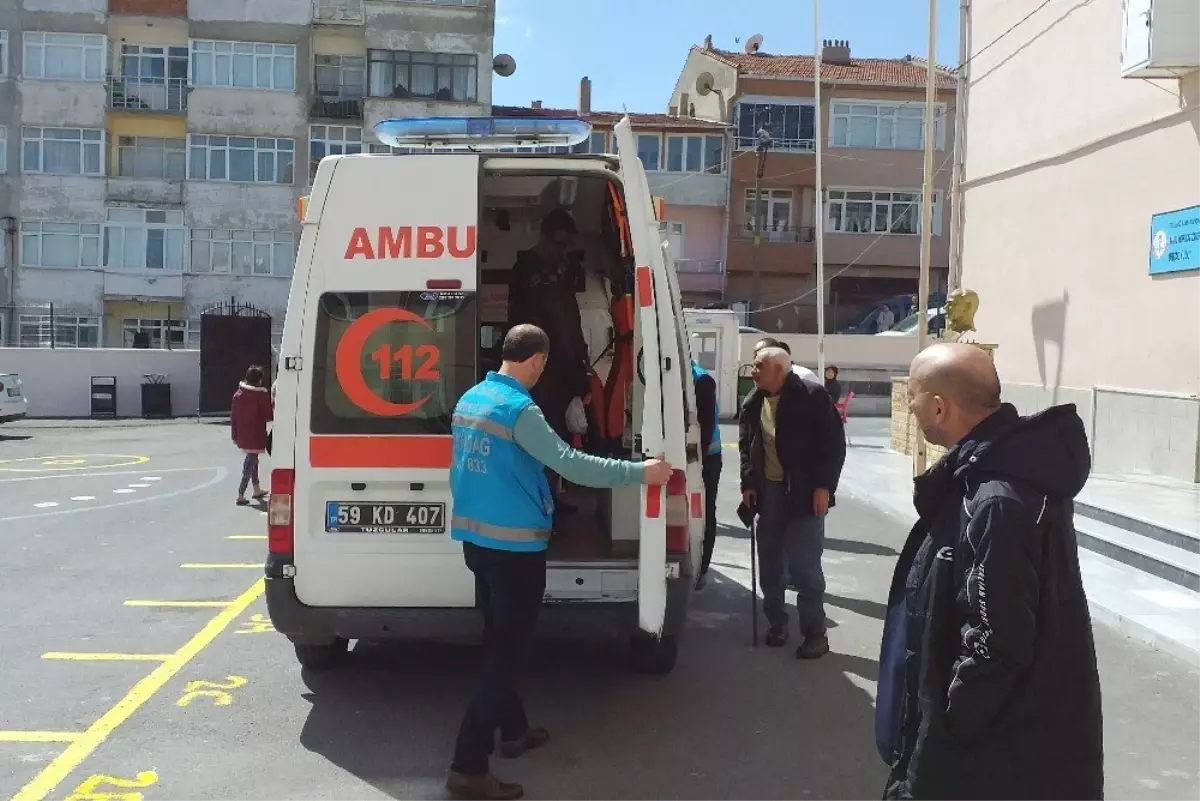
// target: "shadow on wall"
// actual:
[[1049, 323]]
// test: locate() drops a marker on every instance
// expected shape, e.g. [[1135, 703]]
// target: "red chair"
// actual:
[[843, 407]]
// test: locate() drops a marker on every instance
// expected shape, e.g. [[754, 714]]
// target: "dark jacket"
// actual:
[[706, 411], [809, 438], [988, 685], [248, 417]]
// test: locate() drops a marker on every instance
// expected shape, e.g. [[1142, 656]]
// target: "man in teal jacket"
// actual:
[[503, 512]]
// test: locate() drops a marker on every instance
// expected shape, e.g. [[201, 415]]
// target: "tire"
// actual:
[[321, 657], [654, 657]]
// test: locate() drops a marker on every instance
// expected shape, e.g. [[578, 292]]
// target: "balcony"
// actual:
[[158, 191], [158, 95], [339, 12], [780, 232], [783, 251], [777, 145], [139, 285], [337, 102], [701, 275]]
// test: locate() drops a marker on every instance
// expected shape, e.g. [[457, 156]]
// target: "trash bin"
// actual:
[[104, 396], [156, 396]]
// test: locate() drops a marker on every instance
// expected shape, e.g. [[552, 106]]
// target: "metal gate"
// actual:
[[233, 336]]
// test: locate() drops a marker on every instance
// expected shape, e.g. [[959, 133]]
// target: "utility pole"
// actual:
[[919, 455], [819, 222], [960, 143], [764, 144]]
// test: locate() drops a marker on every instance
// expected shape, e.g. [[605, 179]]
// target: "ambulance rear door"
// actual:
[[656, 358], [389, 344]]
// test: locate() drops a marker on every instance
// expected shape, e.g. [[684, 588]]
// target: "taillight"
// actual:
[[1, 386], [281, 531], [678, 534]]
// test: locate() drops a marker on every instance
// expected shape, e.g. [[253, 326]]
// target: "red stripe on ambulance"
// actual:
[[413, 241], [380, 451]]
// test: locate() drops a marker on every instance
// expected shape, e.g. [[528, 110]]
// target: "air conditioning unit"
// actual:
[[1159, 38]]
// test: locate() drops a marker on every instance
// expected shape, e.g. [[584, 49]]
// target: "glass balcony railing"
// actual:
[[147, 94]]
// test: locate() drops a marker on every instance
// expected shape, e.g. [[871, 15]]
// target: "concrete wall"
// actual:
[[845, 351], [1078, 168], [58, 382], [702, 230], [288, 12], [62, 197], [713, 106], [69, 290], [77, 104]]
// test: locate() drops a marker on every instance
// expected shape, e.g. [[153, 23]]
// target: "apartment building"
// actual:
[[873, 136], [152, 152], [686, 161], [1081, 225]]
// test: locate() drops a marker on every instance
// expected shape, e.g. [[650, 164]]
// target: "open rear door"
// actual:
[[648, 255]]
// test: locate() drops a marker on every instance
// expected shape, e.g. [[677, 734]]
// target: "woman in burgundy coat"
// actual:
[[252, 409]]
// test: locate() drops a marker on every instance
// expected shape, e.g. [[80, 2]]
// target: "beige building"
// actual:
[[1081, 134]]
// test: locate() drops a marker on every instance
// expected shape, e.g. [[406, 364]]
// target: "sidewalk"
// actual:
[[1145, 607]]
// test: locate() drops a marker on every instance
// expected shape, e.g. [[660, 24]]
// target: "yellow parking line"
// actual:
[[53, 774], [179, 604], [39, 736], [75, 657], [247, 537], [246, 566]]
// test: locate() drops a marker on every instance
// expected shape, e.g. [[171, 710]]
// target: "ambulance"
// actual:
[[398, 307]]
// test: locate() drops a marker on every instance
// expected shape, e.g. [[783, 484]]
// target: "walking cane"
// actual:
[[753, 583]]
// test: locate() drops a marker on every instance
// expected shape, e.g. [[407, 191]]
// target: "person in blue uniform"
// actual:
[[708, 410], [503, 513]]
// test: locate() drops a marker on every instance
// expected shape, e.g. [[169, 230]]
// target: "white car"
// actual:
[[908, 326], [13, 405]]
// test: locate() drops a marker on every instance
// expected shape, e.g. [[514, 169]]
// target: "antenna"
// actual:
[[504, 65], [754, 43], [704, 83]]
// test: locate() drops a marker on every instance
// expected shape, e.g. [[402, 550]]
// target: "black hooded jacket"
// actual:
[[988, 683]]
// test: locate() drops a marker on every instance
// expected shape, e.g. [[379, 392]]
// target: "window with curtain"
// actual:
[[244, 65], [243, 252], [143, 239], [151, 157], [792, 126], [62, 151], [426, 76], [864, 211], [60, 244], [241, 159], [882, 125]]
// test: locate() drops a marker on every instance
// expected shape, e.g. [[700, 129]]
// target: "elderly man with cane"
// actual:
[[792, 447]]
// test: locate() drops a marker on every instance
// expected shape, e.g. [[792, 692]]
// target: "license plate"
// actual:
[[14, 392], [345, 517]]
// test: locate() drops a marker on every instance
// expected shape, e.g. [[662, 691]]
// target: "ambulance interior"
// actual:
[[605, 525]]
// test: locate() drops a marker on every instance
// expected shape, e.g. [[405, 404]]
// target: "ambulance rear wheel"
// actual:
[[322, 657], [655, 657]]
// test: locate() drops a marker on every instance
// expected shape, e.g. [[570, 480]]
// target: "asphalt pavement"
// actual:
[[136, 661]]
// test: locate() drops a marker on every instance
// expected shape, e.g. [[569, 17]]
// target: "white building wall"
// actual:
[[71, 291], [245, 112], [1060, 187], [284, 12], [62, 104], [75, 198]]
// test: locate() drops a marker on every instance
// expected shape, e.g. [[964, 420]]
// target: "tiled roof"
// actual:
[[908, 71], [608, 118]]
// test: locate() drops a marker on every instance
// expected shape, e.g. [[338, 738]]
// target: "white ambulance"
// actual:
[[397, 307]]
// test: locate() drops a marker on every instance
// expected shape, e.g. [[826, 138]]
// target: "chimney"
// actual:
[[673, 111], [585, 96], [684, 104], [708, 42], [836, 51], [536, 105]]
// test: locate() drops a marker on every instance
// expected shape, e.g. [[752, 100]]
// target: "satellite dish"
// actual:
[[704, 83], [504, 65], [754, 43]]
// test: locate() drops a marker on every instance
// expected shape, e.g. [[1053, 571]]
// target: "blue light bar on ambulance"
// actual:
[[482, 132]]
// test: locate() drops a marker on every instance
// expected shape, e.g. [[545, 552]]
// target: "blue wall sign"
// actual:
[[1175, 241]]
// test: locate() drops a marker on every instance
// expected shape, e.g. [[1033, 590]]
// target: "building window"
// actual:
[[157, 334], [143, 239], [150, 157], [851, 211], [331, 140], [3, 59], [596, 143], [65, 56], [775, 208], [61, 330], [240, 159], [3, 150], [245, 65], [152, 78], [792, 126], [695, 153], [897, 126], [427, 76], [648, 146], [62, 151], [220, 250], [340, 77], [60, 244]]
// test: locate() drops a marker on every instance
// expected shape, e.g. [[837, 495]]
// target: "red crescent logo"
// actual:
[[348, 362]]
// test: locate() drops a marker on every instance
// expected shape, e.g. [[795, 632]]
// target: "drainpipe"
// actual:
[[954, 278], [9, 226]]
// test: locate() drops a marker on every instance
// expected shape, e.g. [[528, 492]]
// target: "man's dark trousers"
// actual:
[[509, 586], [790, 545], [712, 480]]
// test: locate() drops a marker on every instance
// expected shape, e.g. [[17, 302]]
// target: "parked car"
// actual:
[[901, 306], [908, 326], [13, 405]]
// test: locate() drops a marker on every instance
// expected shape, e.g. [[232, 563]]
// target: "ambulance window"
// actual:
[[392, 362]]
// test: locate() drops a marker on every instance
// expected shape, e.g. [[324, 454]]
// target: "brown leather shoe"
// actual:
[[813, 647], [482, 788], [532, 739]]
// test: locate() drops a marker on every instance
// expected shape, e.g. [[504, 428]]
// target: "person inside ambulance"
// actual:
[[541, 292], [709, 412], [502, 515]]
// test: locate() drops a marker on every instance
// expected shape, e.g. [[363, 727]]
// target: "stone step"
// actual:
[[1169, 535], [1148, 554]]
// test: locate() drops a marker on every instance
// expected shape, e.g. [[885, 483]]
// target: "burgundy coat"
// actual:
[[248, 417]]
